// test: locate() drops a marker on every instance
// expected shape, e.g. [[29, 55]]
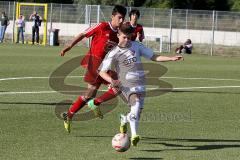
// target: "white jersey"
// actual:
[[128, 65], [20, 23]]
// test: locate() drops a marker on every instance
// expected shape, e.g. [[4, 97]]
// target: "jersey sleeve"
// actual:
[[107, 61], [145, 52], [142, 36], [93, 30]]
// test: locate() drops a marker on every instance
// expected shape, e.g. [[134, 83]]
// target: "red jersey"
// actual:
[[138, 29], [104, 38]]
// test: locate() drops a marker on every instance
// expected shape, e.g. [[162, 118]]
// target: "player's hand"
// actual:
[[65, 49], [138, 35], [177, 58]]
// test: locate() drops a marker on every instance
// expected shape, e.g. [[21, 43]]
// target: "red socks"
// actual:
[[80, 102], [110, 94], [76, 106]]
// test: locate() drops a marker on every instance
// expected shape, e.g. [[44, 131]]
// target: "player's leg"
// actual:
[[33, 34], [77, 105], [1, 32], [110, 94], [123, 123], [94, 103], [18, 33], [37, 34], [4, 30], [22, 36], [133, 117]]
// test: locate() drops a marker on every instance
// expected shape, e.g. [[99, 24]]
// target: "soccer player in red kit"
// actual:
[[138, 28], [104, 37]]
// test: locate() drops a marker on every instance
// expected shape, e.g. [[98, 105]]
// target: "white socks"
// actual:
[[133, 117]]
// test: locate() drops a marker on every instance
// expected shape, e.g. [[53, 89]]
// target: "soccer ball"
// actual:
[[121, 142]]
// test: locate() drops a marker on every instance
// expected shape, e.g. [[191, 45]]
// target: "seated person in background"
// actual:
[[185, 48], [138, 33]]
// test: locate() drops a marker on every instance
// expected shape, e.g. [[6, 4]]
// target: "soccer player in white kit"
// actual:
[[125, 58]]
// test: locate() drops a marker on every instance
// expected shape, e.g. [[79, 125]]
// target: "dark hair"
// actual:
[[189, 41], [119, 9], [134, 11], [126, 29]]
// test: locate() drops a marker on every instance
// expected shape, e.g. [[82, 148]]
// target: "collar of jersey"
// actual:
[[127, 47], [122, 47], [133, 25], [114, 30]]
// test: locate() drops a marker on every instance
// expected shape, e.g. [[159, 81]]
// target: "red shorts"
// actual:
[[91, 76], [98, 80]]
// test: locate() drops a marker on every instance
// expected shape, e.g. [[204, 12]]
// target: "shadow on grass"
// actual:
[[172, 146], [141, 158], [212, 92], [38, 103], [85, 136], [188, 139]]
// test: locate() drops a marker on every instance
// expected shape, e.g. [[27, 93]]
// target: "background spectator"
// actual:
[[186, 47], [4, 23], [35, 27], [20, 28]]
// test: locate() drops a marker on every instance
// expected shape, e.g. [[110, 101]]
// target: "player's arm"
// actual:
[[105, 66], [158, 58], [87, 33], [141, 35], [30, 18], [72, 43], [148, 53]]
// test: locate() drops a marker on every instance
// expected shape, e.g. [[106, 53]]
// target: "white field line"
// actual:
[[171, 89], [20, 78], [214, 79], [181, 88]]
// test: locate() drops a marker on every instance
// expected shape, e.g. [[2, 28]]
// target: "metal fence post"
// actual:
[[51, 13], [170, 32], [154, 17], [187, 19], [213, 29], [9, 8], [61, 13], [98, 13], [86, 14], [14, 12], [216, 20]]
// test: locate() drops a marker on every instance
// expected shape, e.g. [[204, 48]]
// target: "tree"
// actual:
[[189, 4], [158, 3], [235, 5], [105, 2], [222, 5], [46, 1]]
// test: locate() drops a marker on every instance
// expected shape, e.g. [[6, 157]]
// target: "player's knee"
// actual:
[[85, 98], [133, 99]]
